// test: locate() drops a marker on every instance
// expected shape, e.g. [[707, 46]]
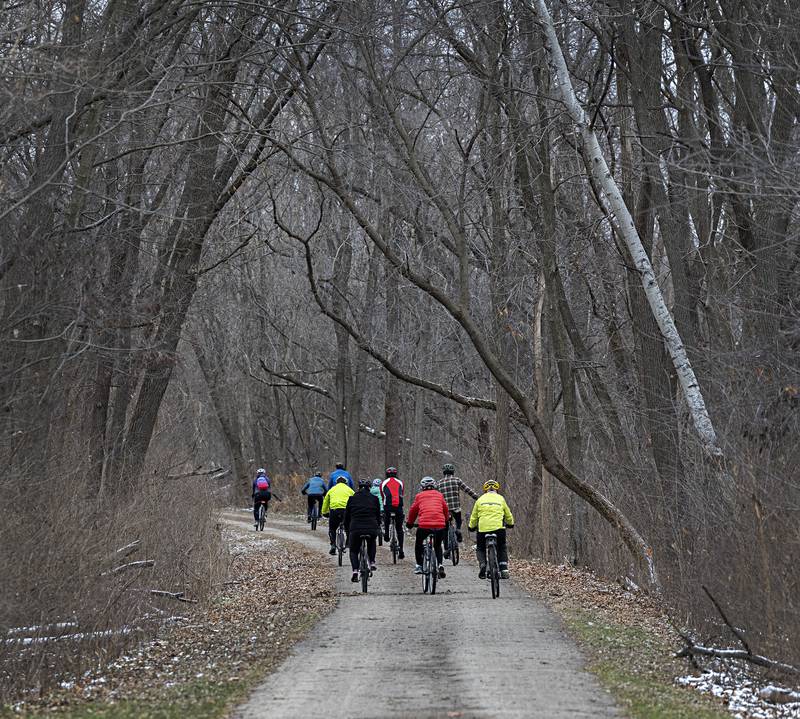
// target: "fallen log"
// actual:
[[140, 564]]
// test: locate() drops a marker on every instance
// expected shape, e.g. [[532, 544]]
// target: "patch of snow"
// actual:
[[744, 699]]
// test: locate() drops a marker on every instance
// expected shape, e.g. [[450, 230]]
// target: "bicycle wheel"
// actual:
[[262, 516], [493, 569], [426, 570], [340, 543], [380, 532], [314, 519], [434, 569], [454, 557], [364, 566], [452, 542], [393, 543]]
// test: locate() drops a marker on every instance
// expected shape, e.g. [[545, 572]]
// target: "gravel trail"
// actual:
[[398, 653]]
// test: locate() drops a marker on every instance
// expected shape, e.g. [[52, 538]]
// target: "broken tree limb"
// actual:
[[129, 548], [178, 596], [626, 229], [140, 564], [694, 650]]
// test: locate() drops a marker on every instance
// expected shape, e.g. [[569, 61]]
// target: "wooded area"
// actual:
[[555, 243]]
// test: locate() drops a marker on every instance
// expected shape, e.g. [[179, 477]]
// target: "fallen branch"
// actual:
[[129, 548], [695, 650], [217, 472], [179, 596], [141, 564]]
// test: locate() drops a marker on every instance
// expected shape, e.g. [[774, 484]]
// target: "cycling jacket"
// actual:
[[315, 486], [335, 476], [376, 492], [392, 491], [362, 514], [337, 498], [429, 510], [490, 513]]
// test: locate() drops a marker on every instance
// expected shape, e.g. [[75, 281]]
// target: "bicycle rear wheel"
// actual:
[[452, 542], [426, 570], [340, 545], [434, 569], [363, 565], [493, 570], [262, 517], [393, 542], [314, 519]]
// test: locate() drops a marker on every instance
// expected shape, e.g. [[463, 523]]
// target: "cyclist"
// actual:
[[314, 489], [392, 491], [491, 515], [261, 492], [362, 516], [449, 485], [340, 471], [430, 512], [375, 490], [333, 506]]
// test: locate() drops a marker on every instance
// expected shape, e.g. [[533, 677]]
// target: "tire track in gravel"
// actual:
[[398, 653]]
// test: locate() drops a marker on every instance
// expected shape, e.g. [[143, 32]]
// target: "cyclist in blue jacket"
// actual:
[[314, 489], [340, 471]]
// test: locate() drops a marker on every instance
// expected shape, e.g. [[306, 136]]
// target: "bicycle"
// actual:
[[340, 541], [363, 563], [262, 515], [430, 566], [314, 517], [394, 546], [451, 542], [492, 564]]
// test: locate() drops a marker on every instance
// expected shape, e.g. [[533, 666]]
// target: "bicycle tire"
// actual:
[[262, 517], [426, 569], [364, 566], [314, 519], [493, 570], [434, 568], [339, 546], [393, 542], [454, 557], [452, 542]]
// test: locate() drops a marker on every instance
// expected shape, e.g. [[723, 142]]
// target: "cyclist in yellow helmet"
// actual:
[[491, 515]]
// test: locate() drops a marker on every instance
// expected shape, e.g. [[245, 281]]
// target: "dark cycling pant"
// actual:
[[502, 549], [355, 548], [398, 524], [312, 500], [438, 536], [336, 518], [258, 497]]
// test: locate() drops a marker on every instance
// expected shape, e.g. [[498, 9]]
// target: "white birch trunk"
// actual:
[[597, 165]]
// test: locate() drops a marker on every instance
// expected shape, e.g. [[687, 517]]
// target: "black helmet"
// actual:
[[391, 471], [448, 468], [339, 465], [364, 483]]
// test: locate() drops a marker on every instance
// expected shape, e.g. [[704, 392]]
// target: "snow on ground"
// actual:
[[743, 695]]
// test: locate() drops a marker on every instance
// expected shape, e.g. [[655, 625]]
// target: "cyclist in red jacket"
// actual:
[[429, 510]]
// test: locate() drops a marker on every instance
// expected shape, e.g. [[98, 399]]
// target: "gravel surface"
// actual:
[[398, 653]]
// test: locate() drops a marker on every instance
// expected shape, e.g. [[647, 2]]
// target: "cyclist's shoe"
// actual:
[[373, 567], [332, 550], [417, 569], [354, 578], [504, 574], [482, 572], [442, 573], [401, 554]]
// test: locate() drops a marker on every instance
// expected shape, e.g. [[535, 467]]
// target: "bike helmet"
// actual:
[[364, 483], [448, 468], [490, 486], [261, 471], [376, 482], [341, 480], [339, 465], [317, 473], [391, 471], [427, 483]]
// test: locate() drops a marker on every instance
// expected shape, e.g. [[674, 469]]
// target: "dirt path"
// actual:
[[398, 653]]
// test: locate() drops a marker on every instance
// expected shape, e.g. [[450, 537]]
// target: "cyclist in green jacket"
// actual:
[[491, 515]]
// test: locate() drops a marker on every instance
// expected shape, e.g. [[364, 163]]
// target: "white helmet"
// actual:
[[261, 471], [427, 483]]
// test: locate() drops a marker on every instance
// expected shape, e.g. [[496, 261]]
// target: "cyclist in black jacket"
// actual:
[[362, 515]]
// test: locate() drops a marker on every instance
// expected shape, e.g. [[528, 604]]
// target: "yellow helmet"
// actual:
[[490, 485]]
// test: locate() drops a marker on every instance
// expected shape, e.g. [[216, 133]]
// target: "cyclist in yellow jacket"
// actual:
[[491, 515], [334, 505]]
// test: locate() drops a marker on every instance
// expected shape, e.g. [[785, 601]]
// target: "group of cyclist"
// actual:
[[370, 506]]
